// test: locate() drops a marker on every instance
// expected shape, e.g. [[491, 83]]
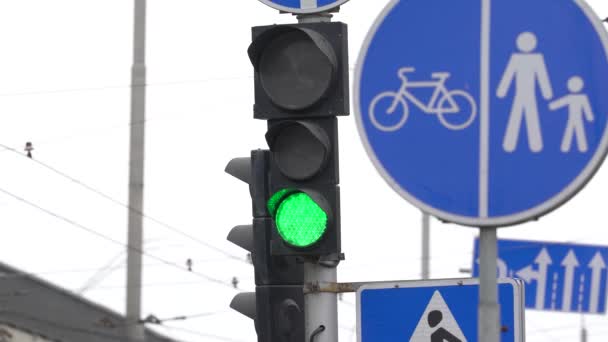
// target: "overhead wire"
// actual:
[[115, 201], [124, 86], [180, 232], [174, 229], [112, 87], [114, 241], [86, 270], [155, 320]]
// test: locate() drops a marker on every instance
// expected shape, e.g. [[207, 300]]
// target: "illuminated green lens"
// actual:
[[300, 221]]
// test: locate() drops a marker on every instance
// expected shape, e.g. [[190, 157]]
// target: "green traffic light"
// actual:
[[300, 221]]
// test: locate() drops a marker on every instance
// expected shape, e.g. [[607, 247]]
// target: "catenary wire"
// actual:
[[86, 270], [112, 240], [178, 231], [113, 87], [115, 201]]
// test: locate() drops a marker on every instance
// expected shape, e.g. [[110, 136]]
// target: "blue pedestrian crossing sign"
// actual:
[[560, 277], [482, 112], [434, 310], [304, 6]]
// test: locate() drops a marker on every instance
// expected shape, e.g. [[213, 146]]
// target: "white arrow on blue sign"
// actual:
[[434, 310], [558, 276], [483, 112], [304, 6]]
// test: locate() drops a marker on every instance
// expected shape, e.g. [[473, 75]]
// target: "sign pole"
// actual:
[[583, 329], [489, 309], [426, 246]]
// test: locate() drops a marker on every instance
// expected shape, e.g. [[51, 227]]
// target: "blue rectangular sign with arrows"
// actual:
[[558, 276]]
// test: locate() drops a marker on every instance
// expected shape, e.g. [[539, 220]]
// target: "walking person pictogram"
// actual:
[[440, 335], [526, 69], [437, 323], [578, 107]]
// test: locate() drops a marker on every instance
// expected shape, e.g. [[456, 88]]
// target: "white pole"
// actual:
[[583, 329], [489, 309], [321, 309], [135, 330]]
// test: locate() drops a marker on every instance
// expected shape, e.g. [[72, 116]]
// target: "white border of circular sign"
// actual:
[[303, 11], [500, 221]]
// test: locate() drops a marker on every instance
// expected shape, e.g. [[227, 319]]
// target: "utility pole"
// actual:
[[426, 245], [135, 330]]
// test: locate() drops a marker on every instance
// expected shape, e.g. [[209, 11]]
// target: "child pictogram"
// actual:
[[578, 108]]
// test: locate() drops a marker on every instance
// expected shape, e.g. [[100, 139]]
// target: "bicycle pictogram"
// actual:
[[455, 109]]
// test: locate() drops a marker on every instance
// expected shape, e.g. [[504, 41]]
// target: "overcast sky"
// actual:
[[64, 85]]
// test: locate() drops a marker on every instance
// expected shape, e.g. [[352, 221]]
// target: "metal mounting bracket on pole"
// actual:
[[324, 17], [334, 287]]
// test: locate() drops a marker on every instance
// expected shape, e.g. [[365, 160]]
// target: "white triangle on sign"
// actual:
[[447, 323]]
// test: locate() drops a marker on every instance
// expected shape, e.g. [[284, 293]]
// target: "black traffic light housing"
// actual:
[[301, 85], [277, 305], [257, 237], [300, 69]]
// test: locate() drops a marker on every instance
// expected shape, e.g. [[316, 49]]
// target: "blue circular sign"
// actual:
[[304, 6], [483, 112]]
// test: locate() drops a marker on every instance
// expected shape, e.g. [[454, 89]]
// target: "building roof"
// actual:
[[38, 307]]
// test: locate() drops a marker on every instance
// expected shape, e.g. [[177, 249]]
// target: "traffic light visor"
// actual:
[[300, 149], [296, 66]]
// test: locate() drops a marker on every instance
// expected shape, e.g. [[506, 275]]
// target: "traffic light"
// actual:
[[277, 305], [301, 85]]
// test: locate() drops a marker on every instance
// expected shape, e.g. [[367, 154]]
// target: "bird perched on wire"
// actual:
[[29, 147], [189, 264], [235, 282]]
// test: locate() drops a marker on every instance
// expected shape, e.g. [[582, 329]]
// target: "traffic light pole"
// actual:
[[489, 309], [321, 308]]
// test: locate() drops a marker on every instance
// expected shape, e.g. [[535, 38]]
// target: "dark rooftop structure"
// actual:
[[35, 306]]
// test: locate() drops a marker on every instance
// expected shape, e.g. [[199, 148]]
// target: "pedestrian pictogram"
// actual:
[[495, 123], [437, 323], [526, 70]]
